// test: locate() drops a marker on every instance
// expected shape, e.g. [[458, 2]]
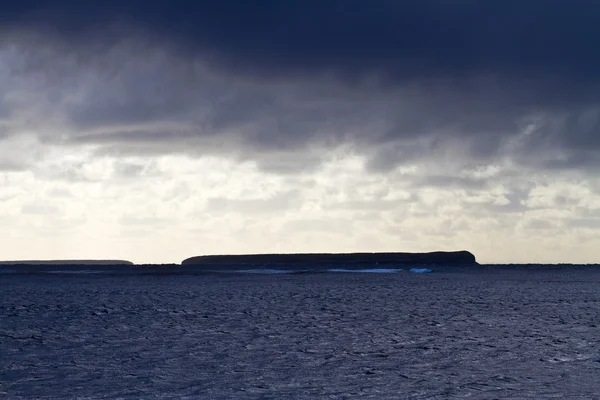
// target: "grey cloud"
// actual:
[[285, 162], [517, 193], [540, 224], [9, 166], [443, 181], [277, 203], [4, 130], [494, 85], [404, 40], [379, 205], [321, 226], [387, 130], [449, 228], [128, 170], [586, 223], [134, 170], [487, 209], [75, 171]]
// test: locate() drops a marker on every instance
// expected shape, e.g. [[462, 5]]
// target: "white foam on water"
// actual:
[[265, 271], [370, 270], [421, 270]]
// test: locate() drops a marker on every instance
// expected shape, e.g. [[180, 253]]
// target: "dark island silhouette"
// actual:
[[337, 259], [300, 263], [67, 262]]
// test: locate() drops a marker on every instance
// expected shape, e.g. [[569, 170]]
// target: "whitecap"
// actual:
[[421, 270], [370, 270]]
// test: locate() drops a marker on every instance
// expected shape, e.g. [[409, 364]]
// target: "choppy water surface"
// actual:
[[493, 334]]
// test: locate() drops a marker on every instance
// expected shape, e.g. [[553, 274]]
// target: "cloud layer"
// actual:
[[451, 117], [404, 39], [415, 77]]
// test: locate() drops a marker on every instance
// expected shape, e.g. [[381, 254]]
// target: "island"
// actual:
[[335, 259]]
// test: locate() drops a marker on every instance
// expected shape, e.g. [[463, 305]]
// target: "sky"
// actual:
[[153, 131]]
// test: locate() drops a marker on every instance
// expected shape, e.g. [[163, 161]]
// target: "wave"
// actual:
[[66, 270], [368, 270], [78, 272], [267, 271], [261, 271], [421, 270]]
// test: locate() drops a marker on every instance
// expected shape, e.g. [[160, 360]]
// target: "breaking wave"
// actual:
[[368, 270]]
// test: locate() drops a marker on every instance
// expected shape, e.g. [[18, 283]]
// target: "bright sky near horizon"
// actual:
[[161, 131]]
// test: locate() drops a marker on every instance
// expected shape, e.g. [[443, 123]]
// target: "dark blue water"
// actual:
[[480, 332]]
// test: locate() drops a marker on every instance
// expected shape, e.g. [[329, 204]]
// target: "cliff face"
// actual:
[[439, 257]]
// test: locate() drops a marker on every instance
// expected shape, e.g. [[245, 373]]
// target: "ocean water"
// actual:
[[486, 332]]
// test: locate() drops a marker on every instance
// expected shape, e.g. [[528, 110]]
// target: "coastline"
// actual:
[[347, 259]]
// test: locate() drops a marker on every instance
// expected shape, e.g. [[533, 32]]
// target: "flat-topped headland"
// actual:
[[67, 262], [345, 259]]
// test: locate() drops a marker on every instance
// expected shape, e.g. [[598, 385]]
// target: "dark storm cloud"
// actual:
[[403, 80], [403, 38]]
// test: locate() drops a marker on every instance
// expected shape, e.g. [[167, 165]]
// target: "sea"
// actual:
[[307, 332]]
